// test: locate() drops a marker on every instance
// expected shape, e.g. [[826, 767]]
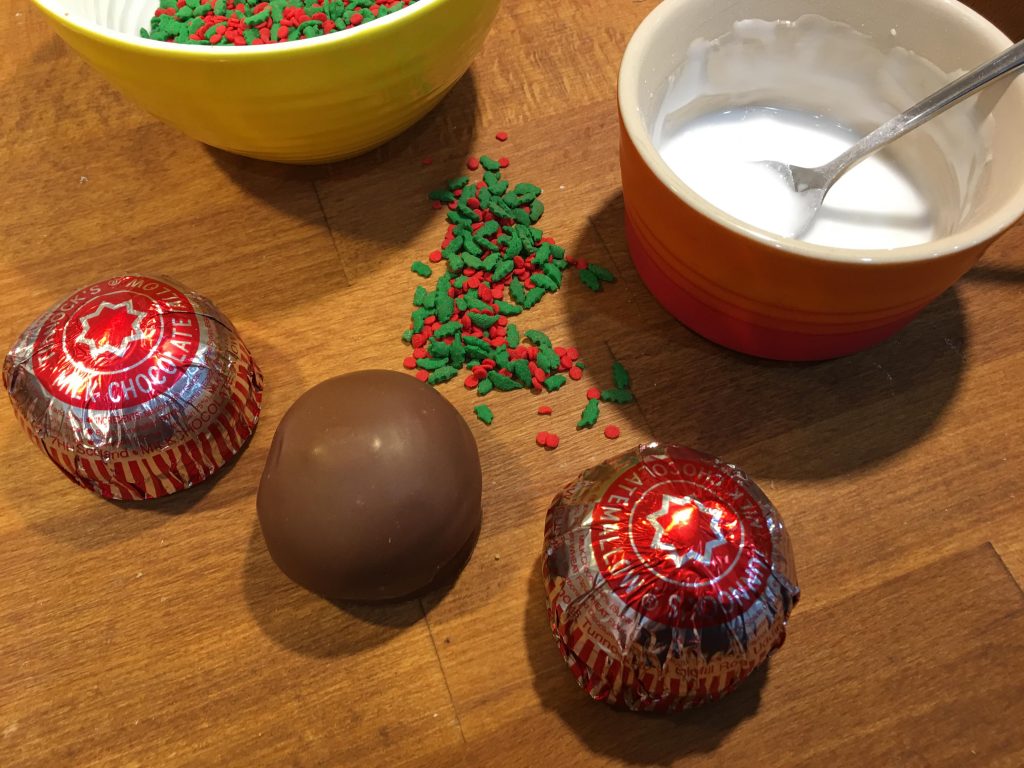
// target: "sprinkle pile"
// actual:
[[226, 22], [497, 264]]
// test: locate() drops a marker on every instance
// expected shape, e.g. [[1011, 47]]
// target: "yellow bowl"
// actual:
[[306, 101], [767, 295]]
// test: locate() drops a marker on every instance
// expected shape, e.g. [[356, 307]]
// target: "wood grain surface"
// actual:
[[162, 634]]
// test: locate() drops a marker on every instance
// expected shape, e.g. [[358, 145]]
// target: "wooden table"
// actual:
[[162, 634]]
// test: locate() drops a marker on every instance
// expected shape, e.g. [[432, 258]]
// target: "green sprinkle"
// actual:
[[502, 382], [501, 357], [458, 183], [546, 283], [443, 374], [621, 396], [511, 336], [419, 298], [484, 414], [601, 273], [429, 364], [539, 339], [457, 351], [554, 274], [589, 279], [548, 360], [515, 246], [499, 208], [536, 211], [456, 263], [505, 308], [484, 387], [474, 301], [528, 190], [490, 263], [489, 228], [444, 307], [534, 295], [438, 349], [475, 343], [490, 164], [421, 269], [589, 416], [441, 195], [447, 329], [620, 375], [407, 336], [521, 370], [517, 291], [418, 318], [554, 383], [258, 18], [482, 321]]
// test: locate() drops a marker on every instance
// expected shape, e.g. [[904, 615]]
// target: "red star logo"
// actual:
[[678, 530], [111, 328]]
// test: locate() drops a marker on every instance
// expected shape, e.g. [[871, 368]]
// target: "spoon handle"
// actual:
[[1008, 62]]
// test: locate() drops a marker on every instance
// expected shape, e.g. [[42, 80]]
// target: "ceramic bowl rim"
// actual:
[[629, 110]]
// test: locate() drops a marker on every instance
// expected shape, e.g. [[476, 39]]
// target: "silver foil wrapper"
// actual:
[[134, 387], [669, 578]]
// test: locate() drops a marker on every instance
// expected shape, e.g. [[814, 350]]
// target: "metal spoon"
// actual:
[[812, 184]]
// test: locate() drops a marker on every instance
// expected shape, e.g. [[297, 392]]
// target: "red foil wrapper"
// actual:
[[135, 387], [669, 578]]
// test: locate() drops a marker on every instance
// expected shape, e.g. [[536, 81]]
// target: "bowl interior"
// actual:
[[127, 17], [881, 57]]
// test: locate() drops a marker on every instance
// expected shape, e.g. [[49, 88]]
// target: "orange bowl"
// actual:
[[771, 296]]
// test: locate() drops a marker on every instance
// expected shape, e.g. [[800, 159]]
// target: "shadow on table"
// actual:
[[379, 196], [86, 521], [784, 420], [632, 737], [988, 273], [304, 622]]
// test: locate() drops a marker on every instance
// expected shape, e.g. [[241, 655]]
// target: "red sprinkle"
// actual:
[[427, 161], [593, 393], [611, 432], [410, 363], [542, 439], [551, 440], [436, 256], [575, 373], [501, 136], [422, 375], [472, 163], [544, 410], [503, 162], [419, 353]]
